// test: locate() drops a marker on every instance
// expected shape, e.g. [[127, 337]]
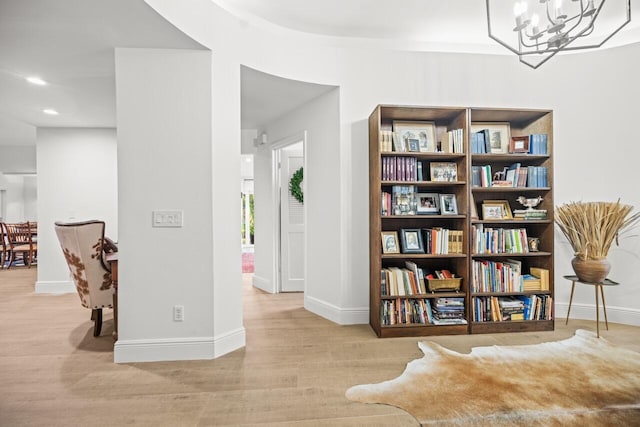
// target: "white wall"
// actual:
[[592, 94], [166, 161], [321, 120], [17, 159], [77, 180]]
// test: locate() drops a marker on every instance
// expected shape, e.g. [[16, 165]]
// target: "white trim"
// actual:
[[55, 287], [626, 316], [263, 284], [341, 316], [229, 342], [171, 349]]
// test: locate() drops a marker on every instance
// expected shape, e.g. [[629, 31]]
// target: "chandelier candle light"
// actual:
[[538, 29]]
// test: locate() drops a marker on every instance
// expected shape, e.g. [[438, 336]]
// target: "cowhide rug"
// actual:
[[580, 381]]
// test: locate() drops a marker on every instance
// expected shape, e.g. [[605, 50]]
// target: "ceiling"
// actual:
[[70, 44]]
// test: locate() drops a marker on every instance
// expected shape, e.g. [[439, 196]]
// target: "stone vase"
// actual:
[[591, 270]]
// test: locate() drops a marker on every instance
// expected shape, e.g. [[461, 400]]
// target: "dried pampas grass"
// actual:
[[591, 227]]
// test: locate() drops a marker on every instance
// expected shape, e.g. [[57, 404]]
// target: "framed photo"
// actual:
[[428, 203], [444, 171], [420, 134], [519, 144], [506, 208], [390, 242], [448, 204], [411, 241], [499, 134], [492, 211]]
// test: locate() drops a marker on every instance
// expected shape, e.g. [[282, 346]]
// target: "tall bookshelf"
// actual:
[[522, 123], [443, 121]]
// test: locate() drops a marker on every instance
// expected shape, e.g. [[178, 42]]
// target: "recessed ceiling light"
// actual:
[[36, 81], [50, 111], [247, 159]]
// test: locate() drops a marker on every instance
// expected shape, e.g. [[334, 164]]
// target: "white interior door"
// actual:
[[291, 223]]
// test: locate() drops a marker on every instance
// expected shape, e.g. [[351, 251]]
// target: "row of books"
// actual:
[[442, 241], [496, 276], [406, 311], [401, 169], [487, 240], [512, 176], [538, 144], [512, 308], [412, 280], [451, 141], [481, 143]]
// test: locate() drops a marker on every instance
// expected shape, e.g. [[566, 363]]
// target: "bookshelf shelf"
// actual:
[[511, 254], [452, 128], [422, 256], [424, 183], [509, 189]]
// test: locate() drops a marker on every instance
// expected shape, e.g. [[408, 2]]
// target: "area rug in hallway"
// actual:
[[247, 262], [580, 381]]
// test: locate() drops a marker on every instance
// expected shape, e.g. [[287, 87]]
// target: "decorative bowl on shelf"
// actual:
[[529, 203]]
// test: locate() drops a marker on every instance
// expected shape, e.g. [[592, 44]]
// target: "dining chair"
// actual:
[[19, 242], [3, 245]]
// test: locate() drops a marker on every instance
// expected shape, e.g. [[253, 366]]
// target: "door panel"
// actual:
[[291, 226]]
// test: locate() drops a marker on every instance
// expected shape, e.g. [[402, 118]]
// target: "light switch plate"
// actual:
[[168, 218]]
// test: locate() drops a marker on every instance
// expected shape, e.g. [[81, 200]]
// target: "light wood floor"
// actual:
[[294, 370]]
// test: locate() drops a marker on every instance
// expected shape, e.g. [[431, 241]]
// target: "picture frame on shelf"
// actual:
[[390, 242], [428, 204], [443, 171], [492, 211], [499, 135], [413, 145], [519, 144], [410, 133], [506, 208], [448, 204], [411, 241]]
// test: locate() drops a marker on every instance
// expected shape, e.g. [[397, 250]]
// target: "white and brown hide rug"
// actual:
[[580, 381]]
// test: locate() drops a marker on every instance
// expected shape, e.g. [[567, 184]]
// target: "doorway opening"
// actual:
[[247, 222], [289, 214]]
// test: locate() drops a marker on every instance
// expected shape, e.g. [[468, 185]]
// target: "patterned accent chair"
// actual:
[[84, 247]]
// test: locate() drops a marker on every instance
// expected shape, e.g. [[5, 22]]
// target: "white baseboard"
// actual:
[[171, 349], [622, 315], [262, 284], [341, 316], [60, 287], [231, 341]]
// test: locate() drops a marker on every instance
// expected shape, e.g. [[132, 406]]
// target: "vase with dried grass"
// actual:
[[591, 228]]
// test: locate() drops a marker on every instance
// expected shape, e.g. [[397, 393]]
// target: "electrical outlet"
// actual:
[[178, 313]]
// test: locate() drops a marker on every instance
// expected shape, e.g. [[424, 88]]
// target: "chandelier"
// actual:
[[538, 29]]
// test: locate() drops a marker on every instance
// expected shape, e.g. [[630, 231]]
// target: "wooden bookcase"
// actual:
[[444, 119]]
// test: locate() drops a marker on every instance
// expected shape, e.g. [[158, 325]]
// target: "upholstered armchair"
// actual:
[[84, 247]]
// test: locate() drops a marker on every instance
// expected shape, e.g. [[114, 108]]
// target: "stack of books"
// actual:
[[511, 309], [449, 311], [530, 214]]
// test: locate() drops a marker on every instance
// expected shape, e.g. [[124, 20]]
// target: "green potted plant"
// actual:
[[591, 228]]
